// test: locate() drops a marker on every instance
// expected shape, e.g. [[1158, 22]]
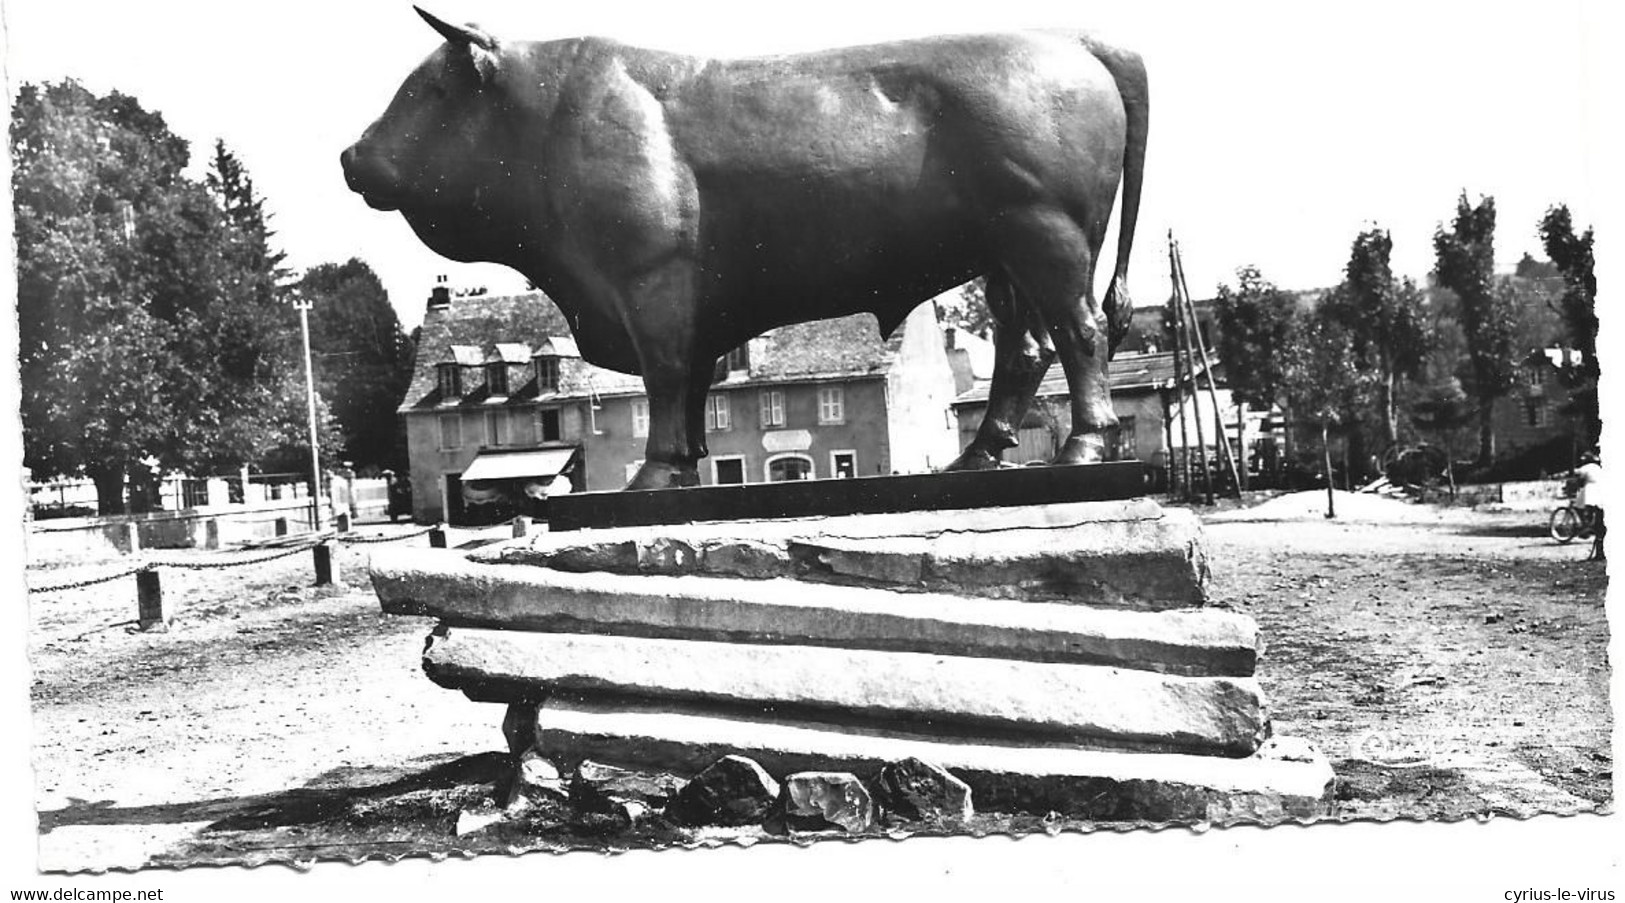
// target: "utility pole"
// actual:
[[303, 304]]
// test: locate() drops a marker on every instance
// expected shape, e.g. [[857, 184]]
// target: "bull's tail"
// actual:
[[1128, 71]]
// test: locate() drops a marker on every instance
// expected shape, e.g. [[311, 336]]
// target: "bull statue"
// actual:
[[676, 207]]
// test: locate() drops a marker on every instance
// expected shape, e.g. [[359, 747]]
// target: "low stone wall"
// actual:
[[76, 540]]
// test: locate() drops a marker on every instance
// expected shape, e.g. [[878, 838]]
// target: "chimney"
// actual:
[[440, 295]]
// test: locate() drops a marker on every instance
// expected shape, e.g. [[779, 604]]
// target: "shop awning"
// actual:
[[541, 464]]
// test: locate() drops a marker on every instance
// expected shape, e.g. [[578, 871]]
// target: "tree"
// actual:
[[1385, 320], [1572, 256], [364, 360], [1256, 324], [1465, 265], [1324, 381], [968, 310], [132, 357]]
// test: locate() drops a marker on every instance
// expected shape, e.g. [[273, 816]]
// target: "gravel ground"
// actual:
[[1451, 663]]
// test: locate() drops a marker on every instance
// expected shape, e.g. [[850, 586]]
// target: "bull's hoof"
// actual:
[[974, 459], [1087, 448], [661, 475]]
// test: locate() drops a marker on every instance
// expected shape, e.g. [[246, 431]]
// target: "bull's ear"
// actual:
[[458, 34]]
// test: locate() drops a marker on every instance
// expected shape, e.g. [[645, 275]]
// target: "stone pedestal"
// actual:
[[1056, 658]]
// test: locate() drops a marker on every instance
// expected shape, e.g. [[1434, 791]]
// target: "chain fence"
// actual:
[[152, 564]]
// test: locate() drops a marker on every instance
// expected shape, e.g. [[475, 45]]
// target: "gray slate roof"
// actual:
[[494, 326]]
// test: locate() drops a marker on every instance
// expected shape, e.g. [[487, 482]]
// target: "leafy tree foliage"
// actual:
[[1325, 381], [1465, 256], [1385, 320], [967, 309], [1256, 324], [363, 360], [1572, 257], [147, 343]]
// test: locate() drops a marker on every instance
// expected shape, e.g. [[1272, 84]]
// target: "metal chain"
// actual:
[[363, 540], [214, 565], [80, 584], [209, 565]]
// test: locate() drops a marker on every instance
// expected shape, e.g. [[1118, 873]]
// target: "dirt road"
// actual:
[[1449, 663]]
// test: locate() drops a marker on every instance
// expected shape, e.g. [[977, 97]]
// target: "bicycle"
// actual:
[[1572, 522]]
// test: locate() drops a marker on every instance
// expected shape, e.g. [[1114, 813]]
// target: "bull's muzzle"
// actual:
[[370, 176]]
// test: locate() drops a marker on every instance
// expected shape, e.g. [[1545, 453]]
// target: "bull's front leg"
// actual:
[[668, 456]]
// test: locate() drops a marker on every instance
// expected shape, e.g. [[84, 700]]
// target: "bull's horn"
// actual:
[[458, 34]]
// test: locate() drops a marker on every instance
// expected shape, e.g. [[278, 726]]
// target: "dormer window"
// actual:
[[451, 380], [547, 374], [739, 358], [496, 378]]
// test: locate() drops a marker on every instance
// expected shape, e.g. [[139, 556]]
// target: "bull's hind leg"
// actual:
[[1052, 262], [1021, 356]]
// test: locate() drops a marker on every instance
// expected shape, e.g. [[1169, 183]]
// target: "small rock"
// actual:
[[536, 781], [820, 800], [471, 820], [731, 791], [916, 789], [605, 788]]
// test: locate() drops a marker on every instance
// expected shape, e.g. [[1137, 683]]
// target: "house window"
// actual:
[[547, 374], [772, 407], [550, 426], [496, 379], [640, 416], [789, 467], [496, 428], [1128, 446], [739, 358], [727, 471], [451, 431], [1531, 376], [831, 405], [451, 380], [1535, 414], [843, 464], [718, 415]]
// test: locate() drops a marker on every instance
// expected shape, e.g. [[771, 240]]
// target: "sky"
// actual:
[[1279, 131]]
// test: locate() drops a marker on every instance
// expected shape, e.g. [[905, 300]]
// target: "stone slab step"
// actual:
[[1128, 554], [1089, 705], [448, 586], [1284, 779]]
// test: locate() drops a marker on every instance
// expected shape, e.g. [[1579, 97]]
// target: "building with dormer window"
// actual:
[[502, 411]]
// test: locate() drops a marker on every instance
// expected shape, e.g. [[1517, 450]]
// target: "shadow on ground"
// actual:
[[328, 796]]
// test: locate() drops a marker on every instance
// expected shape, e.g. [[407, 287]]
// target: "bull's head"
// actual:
[[429, 154]]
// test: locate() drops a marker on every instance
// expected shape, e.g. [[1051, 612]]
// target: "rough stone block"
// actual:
[[921, 791], [1129, 554], [1081, 704], [460, 592], [731, 791], [605, 788], [1283, 781], [821, 800]]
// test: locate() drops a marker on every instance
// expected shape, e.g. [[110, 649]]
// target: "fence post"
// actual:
[[149, 600], [282, 526], [326, 569], [211, 533], [132, 537], [437, 537], [521, 526], [341, 522]]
